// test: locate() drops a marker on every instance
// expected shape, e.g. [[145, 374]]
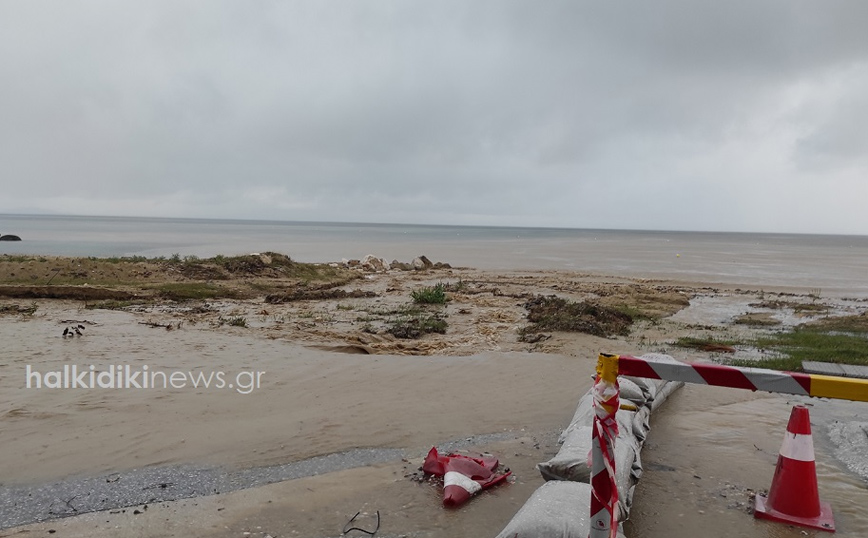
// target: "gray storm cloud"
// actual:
[[675, 115]]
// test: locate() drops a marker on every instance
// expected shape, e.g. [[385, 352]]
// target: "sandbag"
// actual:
[[656, 390], [665, 392], [572, 462], [642, 424], [555, 510], [632, 391]]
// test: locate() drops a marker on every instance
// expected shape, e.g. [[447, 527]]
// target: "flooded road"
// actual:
[[711, 448]]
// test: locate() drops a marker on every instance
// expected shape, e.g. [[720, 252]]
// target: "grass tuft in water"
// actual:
[[416, 325], [237, 321], [430, 295]]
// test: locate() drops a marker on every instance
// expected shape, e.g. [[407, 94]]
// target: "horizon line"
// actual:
[[432, 225]]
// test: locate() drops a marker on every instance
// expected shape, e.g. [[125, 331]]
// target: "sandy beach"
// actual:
[[330, 380]]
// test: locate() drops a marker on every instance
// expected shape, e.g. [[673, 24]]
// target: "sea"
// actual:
[[829, 265]]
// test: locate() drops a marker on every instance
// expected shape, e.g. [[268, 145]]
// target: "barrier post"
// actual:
[[604, 490]]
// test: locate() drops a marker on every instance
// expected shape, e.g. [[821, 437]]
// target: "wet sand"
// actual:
[[477, 379]]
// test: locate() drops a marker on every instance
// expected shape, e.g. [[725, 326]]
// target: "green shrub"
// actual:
[[430, 295]]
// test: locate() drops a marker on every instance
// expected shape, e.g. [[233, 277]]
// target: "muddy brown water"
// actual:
[[310, 402], [708, 449]]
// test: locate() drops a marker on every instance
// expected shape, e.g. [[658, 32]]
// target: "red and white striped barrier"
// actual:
[[793, 497], [604, 490], [747, 378]]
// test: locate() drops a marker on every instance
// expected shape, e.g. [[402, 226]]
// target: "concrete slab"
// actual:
[[852, 370], [824, 368], [829, 368]]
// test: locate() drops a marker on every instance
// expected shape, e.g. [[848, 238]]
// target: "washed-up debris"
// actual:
[[73, 331], [18, 309], [167, 326], [552, 313], [351, 525]]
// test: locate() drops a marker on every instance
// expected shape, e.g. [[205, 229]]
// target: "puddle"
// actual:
[[713, 310], [724, 309]]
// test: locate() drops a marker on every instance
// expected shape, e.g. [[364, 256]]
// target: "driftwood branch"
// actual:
[[167, 326]]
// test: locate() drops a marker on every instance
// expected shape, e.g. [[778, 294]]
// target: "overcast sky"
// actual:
[[672, 115]]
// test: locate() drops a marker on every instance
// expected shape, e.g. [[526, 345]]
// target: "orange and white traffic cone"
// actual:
[[463, 476], [793, 497], [458, 481]]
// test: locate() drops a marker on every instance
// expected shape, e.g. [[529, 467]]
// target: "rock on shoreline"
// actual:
[[375, 264]]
